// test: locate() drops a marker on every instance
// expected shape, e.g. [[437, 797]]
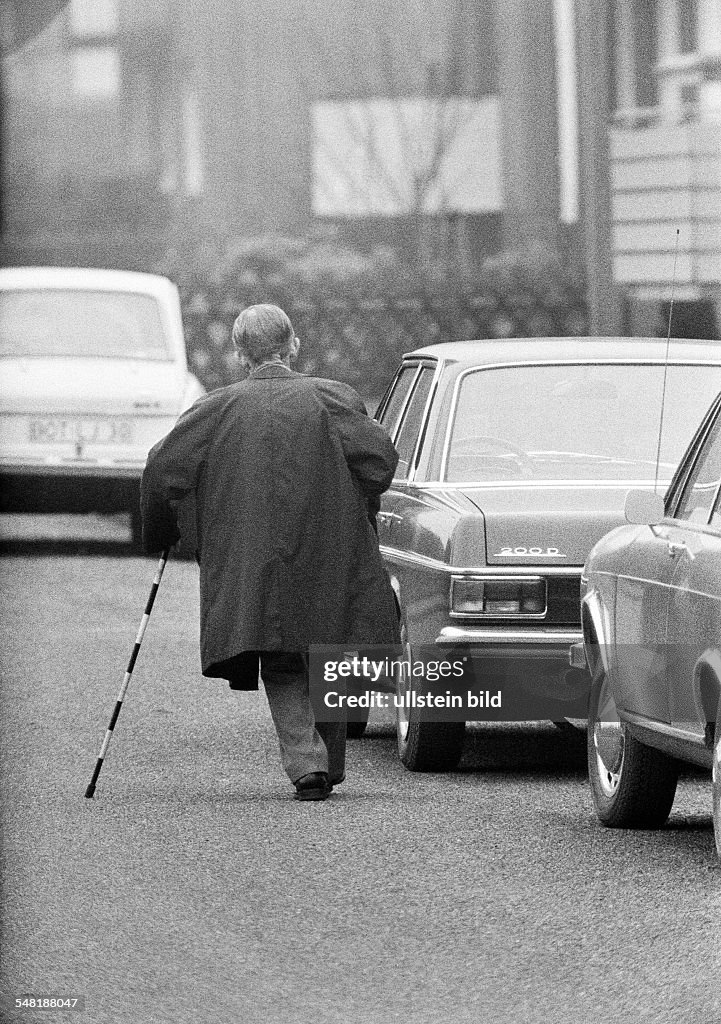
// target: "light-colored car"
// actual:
[[651, 608], [515, 458], [92, 373]]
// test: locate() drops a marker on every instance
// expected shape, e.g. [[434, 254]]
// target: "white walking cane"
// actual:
[[128, 672]]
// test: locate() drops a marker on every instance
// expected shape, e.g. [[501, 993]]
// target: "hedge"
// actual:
[[357, 313]]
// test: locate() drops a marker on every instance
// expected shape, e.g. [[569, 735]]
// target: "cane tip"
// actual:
[[89, 792]]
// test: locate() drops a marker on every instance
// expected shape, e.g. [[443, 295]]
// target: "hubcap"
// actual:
[[608, 741]]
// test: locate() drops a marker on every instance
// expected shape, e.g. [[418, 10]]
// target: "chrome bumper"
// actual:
[[521, 643], [457, 635]]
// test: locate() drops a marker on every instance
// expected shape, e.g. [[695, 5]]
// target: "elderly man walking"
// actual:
[[286, 472]]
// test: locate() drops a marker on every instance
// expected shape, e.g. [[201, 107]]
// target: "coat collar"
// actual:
[[272, 370]]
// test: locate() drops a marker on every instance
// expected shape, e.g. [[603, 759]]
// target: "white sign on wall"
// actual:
[[394, 157]]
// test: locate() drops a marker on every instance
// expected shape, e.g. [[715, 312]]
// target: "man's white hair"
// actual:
[[263, 331]]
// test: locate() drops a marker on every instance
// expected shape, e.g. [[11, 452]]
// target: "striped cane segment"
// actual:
[[128, 673]]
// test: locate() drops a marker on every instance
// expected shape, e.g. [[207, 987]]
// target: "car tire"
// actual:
[[424, 746], [716, 780], [633, 785], [356, 722]]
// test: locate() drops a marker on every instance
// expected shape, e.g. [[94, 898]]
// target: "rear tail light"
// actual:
[[498, 596]]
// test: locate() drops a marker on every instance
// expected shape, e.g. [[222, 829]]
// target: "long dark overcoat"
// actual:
[[285, 471]]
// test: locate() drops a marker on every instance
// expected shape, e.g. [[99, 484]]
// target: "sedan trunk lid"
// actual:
[[554, 524], [106, 387]]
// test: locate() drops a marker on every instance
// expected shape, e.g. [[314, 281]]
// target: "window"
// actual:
[[95, 58], [388, 157], [96, 72], [687, 26], [394, 406], [646, 52], [703, 481], [93, 324], [93, 18], [576, 422], [412, 421], [716, 514]]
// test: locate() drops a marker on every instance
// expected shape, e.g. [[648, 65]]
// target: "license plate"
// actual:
[[72, 430]]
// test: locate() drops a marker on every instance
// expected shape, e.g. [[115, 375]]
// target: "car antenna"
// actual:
[[665, 365]]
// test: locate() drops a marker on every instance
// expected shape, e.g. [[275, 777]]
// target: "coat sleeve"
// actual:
[[172, 471], [369, 452]]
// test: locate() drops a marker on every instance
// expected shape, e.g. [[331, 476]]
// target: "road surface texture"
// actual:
[[193, 890]]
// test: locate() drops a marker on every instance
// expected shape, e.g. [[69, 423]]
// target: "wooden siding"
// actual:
[[663, 178]]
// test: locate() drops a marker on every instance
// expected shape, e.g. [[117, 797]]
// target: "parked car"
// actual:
[[651, 609], [93, 372], [515, 458]]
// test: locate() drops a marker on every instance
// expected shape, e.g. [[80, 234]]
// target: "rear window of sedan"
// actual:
[[52, 322], [576, 422]]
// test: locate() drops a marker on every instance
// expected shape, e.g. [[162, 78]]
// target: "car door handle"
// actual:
[[677, 547], [389, 517]]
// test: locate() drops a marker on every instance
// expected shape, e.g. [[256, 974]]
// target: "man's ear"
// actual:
[[243, 360], [294, 348]]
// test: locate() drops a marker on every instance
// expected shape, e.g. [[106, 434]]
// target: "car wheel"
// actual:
[[356, 722], [423, 746], [633, 785], [716, 780]]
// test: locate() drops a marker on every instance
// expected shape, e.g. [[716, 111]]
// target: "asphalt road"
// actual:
[[192, 888]]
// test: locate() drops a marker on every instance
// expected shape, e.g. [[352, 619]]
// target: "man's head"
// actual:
[[264, 333]]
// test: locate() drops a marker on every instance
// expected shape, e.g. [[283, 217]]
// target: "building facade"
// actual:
[[127, 124], [666, 162], [455, 128]]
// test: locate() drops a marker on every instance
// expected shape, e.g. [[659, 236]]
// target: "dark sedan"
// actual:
[[652, 631], [515, 458]]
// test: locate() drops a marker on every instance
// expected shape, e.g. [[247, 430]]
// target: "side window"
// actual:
[[412, 421], [394, 405], [703, 481], [716, 514]]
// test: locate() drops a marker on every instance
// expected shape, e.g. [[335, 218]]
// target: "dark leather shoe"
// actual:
[[313, 787]]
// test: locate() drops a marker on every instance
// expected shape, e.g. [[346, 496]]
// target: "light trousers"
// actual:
[[305, 745]]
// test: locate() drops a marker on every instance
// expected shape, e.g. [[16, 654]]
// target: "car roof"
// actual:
[[531, 350], [82, 278]]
